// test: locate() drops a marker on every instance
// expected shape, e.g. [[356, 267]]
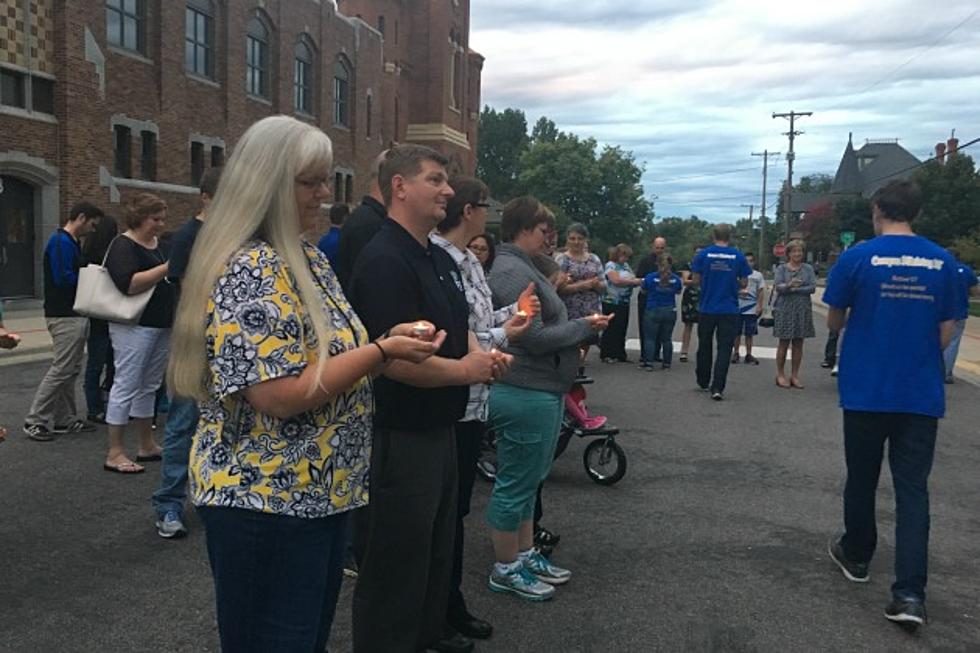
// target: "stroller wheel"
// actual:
[[605, 461]]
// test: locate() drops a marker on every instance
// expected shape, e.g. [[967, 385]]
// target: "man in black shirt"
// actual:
[[168, 500], [54, 401], [402, 589], [360, 227]]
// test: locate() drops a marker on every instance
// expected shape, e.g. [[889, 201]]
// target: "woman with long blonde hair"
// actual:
[[269, 346]]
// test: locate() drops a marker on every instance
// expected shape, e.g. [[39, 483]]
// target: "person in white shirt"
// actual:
[[751, 299]]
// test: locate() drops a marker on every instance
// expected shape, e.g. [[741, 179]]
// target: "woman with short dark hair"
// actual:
[[526, 404], [484, 248]]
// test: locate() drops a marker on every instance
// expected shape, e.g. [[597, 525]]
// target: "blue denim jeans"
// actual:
[[658, 327], [181, 424], [951, 352], [276, 578], [911, 444]]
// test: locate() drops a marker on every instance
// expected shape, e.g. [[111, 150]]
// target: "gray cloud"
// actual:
[[693, 94], [522, 14]]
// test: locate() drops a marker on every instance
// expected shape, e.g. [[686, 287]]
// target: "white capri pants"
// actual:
[[140, 356]]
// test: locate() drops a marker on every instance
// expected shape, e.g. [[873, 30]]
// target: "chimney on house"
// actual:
[[951, 146], [940, 153]]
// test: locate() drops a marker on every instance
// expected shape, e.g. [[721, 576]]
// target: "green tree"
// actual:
[[503, 140], [950, 199], [818, 183], [854, 214], [545, 131], [821, 230]]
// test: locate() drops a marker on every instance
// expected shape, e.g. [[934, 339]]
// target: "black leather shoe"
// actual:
[[455, 644], [470, 626]]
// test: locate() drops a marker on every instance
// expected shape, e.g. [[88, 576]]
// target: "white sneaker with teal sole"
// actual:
[[544, 571], [521, 582]]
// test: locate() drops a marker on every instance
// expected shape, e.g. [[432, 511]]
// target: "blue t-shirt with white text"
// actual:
[[720, 269], [659, 296], [898, 290]]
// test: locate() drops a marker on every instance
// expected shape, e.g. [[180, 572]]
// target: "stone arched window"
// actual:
[[257, 65], [304, 94], [343, 78]]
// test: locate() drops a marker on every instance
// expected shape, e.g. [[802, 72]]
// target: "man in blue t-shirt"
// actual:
[[330, 243], [897, 295], [721, 271], [966, 286]]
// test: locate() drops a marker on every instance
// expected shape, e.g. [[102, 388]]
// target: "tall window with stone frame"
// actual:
[[303, 78], [257, 58], [125, 24], [341, 92], [199, 38]]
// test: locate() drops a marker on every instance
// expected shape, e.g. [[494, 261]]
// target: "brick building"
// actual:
[[104, 98]]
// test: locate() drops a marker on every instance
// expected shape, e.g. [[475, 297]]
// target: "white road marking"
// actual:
[[767, 353]]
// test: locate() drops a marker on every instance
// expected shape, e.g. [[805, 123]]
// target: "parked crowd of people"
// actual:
[[330, 402]]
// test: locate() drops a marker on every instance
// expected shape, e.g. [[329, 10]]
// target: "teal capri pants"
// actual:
[[526, 423]]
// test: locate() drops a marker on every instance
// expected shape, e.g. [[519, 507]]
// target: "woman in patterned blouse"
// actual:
[[279, 363]]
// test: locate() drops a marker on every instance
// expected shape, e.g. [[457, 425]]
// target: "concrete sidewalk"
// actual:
[[27, 319]]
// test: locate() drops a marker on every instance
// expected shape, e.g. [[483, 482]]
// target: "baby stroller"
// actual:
[[603, 458]]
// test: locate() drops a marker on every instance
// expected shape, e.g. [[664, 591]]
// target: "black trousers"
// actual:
[[613, 342], [469, 436], [713, 326], [403, 583]]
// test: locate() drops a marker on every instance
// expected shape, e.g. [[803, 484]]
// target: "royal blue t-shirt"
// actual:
[[898, 290], [720, 269], [330, 245], [966, 279], [661, 296]]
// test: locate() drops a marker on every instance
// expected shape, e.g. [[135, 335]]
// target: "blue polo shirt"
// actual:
[[898, 289], [658, 296], [965, 279], [720, 269]]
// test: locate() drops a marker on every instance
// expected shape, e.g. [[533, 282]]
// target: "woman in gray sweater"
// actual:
[[526, 405], [794, 283]]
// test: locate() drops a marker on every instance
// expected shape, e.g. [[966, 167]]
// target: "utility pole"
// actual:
[[751, 208], [792, 133], [765, 154]]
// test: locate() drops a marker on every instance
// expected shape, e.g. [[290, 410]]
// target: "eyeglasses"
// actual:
[[313, 184], [481, 205]]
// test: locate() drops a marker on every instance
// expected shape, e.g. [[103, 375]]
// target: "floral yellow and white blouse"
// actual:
[[311, 465]]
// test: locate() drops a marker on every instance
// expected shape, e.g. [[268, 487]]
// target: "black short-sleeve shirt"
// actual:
[[396, 279], [126, 258]]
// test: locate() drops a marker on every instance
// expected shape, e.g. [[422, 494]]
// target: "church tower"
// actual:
[[431, 78]]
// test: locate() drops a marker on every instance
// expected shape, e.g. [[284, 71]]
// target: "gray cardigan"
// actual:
[[546, 357], [784, 275]]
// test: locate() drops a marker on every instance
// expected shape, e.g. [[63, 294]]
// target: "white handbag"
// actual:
[[97, 295]]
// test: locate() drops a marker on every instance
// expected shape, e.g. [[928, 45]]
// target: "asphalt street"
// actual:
[[714, 541]]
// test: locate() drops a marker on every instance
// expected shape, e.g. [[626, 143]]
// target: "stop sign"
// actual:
[[779, 250]]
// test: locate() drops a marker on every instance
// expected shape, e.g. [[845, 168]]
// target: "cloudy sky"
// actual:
[[690, 86]]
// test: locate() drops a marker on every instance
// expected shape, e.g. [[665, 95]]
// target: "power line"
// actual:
[[921, 52]]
